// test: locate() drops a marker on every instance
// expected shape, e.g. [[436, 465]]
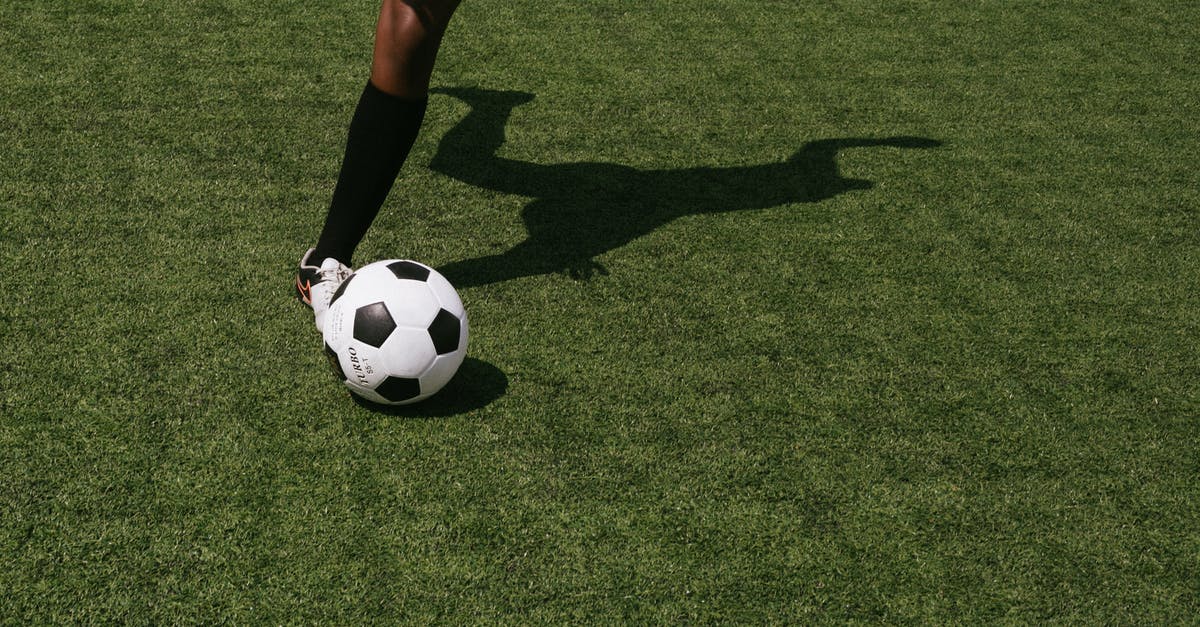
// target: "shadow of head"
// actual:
[[816, 163]]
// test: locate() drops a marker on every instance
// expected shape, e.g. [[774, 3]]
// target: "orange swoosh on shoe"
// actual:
[[305, 290]]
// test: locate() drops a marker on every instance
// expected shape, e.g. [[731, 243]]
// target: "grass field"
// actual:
[[857, 311]]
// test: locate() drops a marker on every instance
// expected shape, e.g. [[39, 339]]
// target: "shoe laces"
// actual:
[[333, 271]]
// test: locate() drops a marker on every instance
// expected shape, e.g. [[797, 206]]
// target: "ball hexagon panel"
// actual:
[[445, 294], [411, 302], [373, 324], [407, 352], [442, 370]]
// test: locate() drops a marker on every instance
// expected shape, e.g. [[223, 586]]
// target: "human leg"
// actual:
[[407, 39], [382, 131], [387, 119]]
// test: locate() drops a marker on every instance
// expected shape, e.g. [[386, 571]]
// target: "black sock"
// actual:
[[381, 134]]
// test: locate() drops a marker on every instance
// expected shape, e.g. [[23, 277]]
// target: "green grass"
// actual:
[[969, 393]]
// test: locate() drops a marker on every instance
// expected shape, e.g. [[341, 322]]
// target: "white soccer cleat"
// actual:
[[315, 285]]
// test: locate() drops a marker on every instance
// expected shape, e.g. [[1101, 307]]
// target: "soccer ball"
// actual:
[[395, 332]]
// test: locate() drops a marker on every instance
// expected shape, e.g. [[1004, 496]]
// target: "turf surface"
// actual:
[[853, 312]]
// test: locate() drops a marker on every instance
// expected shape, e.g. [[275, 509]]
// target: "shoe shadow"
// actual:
[[476, 385], [580, 211]]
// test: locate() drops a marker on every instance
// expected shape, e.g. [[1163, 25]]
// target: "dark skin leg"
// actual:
[[407, 38], [386, 120]]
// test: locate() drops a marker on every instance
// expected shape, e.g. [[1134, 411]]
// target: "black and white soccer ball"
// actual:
[[395, 332]]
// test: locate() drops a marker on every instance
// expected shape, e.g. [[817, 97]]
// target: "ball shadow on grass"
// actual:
[[476, 385]]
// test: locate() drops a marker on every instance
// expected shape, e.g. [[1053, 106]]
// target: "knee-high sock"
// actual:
[[381, 135]]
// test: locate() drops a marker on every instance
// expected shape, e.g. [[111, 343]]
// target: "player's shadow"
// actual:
[[582, 210]]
